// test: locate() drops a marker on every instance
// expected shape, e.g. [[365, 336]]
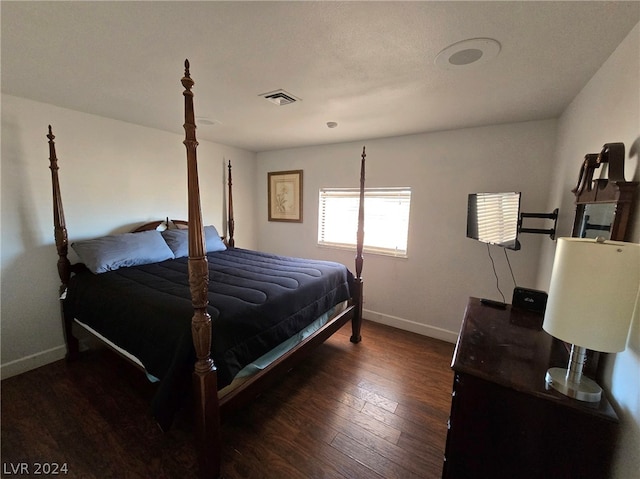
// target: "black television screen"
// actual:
[[494, 218]]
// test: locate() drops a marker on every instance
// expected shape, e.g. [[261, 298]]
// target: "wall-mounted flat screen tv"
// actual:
[[493, 218]]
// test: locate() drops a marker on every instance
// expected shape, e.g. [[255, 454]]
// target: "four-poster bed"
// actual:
[[213, 314]]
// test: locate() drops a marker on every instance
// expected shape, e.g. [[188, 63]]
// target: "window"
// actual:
[[386, 219]]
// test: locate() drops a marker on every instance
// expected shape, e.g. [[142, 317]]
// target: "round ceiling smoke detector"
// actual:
[[468, 52]]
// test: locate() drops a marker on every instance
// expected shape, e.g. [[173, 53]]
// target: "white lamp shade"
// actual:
[[593, 293]]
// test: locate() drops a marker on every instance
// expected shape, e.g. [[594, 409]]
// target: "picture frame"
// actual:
[[285, 196]]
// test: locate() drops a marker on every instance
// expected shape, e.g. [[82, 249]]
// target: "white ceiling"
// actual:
[[369, 66]]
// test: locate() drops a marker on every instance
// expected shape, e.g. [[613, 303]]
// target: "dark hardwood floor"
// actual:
[[373, 410]]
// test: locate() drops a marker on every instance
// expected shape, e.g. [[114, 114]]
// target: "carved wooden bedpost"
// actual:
[[59, 225], [207, 413], [62, 244], [357, 320], [231, 242]]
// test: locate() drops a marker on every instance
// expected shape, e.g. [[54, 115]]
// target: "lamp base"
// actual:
[[586, 390]]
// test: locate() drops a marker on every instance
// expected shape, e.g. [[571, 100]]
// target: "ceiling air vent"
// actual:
[[280, 97]]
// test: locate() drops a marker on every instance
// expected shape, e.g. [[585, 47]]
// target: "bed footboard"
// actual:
[[208, 406]]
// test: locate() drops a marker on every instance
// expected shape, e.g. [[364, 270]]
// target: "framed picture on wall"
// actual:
[[285, 196]]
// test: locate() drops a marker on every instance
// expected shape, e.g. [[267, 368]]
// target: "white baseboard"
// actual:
[[22, 365], [37, 360], [407, 325]]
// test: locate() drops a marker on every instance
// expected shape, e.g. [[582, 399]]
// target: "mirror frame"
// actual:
[[612, 190]]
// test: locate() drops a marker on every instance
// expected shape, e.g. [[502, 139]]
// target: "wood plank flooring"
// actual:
[[373, 410]]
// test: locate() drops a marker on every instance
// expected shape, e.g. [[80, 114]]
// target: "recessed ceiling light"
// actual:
[[463, 54], [332, 124], [204, 121]]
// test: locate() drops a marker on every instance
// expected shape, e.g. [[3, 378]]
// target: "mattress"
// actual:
[[256, 302]]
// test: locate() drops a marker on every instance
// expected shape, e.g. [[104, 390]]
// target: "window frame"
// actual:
[[371, 194]]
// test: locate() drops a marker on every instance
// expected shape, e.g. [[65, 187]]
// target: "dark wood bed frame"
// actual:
[[209, 408]]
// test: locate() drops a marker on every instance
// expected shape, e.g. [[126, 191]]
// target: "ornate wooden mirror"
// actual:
[[603, 205], [603, 208]]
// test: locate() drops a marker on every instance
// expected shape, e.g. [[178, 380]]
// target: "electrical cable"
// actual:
[[515, 284], [495, 273]]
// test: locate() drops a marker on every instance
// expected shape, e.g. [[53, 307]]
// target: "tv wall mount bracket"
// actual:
[[540, 231]]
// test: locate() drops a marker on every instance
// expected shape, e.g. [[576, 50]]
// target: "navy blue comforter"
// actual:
[[256, 301]]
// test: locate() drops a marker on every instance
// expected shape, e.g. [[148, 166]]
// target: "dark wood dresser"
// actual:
[[504, 423]]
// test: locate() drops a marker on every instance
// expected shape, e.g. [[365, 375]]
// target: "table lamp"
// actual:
[[594, 291]]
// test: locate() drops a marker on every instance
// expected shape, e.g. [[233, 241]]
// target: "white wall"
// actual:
[[607, 110], [428, 291], [113, 176]]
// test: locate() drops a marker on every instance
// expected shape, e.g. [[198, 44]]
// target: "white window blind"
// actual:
[[386, 222]]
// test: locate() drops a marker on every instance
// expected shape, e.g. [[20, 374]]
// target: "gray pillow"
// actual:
[[109, 253], [178, 241]]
